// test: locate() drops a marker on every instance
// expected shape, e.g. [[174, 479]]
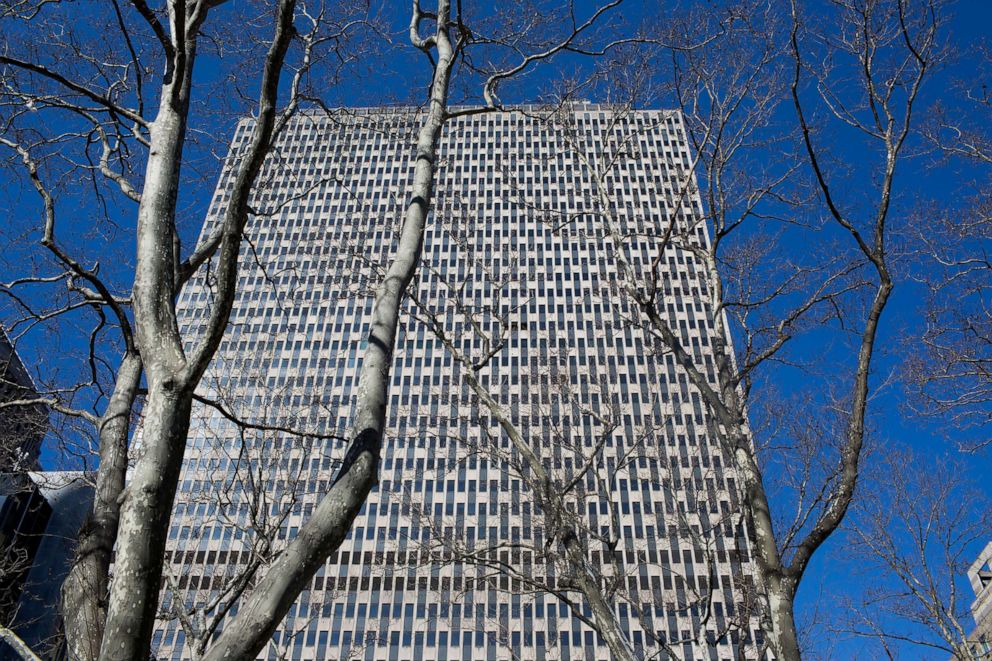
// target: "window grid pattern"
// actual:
[[329, 203]]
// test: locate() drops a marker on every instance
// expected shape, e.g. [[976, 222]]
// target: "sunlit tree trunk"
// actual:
[[172, 375], [85, 588], [262, 611]]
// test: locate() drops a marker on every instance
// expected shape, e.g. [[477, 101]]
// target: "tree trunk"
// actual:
[[15, 642], [779, 590], [263, 610], [144, 525], [84, 592], [782, 637], [172, 376], [147, 500], [145, 505], [602, 611]]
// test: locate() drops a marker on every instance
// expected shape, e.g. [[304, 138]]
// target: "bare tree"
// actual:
[[951, 377], [559, 458], [146, 316], [722, 114], [172, 372], [908, 38], [893, 45], [719, 116], [916, 533], [174, 365]]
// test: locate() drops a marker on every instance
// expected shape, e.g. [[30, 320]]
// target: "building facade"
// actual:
[[447, 559], [24, 512]]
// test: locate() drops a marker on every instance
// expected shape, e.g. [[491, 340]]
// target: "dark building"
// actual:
[[25, 508], [45, 510], [24, 515], [24, 512], [22, 428]]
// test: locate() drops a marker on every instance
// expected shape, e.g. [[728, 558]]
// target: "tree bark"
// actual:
[[18, 645], [172, 376], [248, 632], [148, 497], [602, 611], [84, 591], [144, 524], [781, 593]]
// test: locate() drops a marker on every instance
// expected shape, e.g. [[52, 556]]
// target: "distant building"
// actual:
[[40, 514], [46, 510], [24, 513], [980, 575]]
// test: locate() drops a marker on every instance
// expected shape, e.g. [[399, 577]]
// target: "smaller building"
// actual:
[[980, 576], [43, 511], [40, 515]]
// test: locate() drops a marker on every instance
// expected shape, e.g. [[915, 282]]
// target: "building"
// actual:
[[41, 513], [23, 509], [22, 428], [516, 230], [980, 577], [49, 507], [24, 513]]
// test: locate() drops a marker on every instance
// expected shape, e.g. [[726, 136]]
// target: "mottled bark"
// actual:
[[147, 505], [172, 376], [780, 594], [144, 524], [17, 644], [84, 592]]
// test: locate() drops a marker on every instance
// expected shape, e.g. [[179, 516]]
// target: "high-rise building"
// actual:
[[515, 242]]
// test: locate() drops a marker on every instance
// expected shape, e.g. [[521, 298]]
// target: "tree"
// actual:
[[866, 29], [750, 292], [752, 295], [145, 317], [173, 365], [951, 377], [581, 555], [917, 532]]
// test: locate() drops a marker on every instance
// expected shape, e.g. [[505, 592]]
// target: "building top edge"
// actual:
[[582, 106]]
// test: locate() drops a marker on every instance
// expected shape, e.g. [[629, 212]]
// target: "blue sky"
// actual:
[[394, 73]]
